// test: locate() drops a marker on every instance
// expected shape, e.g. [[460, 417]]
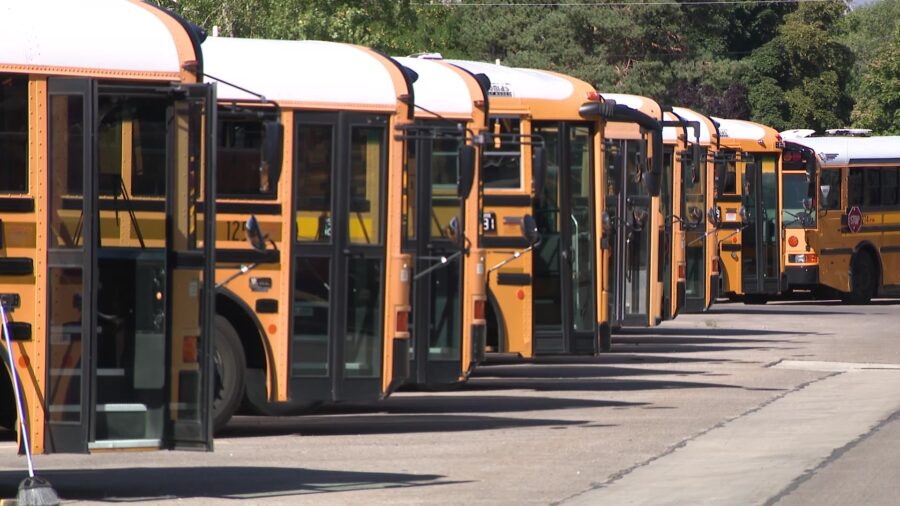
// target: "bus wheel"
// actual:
[[229, 361], [862, 280]]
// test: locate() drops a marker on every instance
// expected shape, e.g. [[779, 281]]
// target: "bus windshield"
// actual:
[[794, 191]]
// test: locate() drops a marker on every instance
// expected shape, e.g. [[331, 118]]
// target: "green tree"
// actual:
[[878, 103], [810, 68]]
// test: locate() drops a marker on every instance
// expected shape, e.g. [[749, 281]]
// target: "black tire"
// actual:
[[230, 363], [863, 282]]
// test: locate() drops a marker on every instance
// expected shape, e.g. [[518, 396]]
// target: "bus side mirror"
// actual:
[[714, 215], [254, 234], [453, 229], [273, 141], [466, 161], [538, 169], [825, 190], [530, 230]]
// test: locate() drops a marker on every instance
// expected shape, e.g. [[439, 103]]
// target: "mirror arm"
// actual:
[[442, 262], [244, 269]]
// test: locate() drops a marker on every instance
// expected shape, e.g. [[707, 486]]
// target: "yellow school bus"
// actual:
[[636, 227], [540, 231], [105, 136], [798, 216], [856, 194], [309, 143], [748, 172], [676, 154], [697, 219], [441, 225]]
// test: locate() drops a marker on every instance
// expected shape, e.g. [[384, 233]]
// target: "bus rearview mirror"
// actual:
[[273, 138], [538, 168], [453, 229], [825, 190], [530, 230], [255, 235], [466, 160]]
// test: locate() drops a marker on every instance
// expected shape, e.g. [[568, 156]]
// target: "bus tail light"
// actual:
[[479, 310], [715, 265], [189, 350], [808, 258], [682, 274], [402, 321]]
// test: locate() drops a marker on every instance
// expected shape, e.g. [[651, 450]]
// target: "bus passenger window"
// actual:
[[873, 187], [855, 191], [241, 170], [502, 162], [889, 187], [831, 178], [13, 134]]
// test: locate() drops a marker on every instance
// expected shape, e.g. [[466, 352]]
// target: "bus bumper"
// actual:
[[479, 343], [713, 288], [801, 276]]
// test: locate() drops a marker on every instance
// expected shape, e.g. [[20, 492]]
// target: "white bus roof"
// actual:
[[312, 72], [739, 129], [670, 133], [105, 37], [836, 151], [518, 82], [439, 89]]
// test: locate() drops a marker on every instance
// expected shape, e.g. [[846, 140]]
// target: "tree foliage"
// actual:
[[789, 65]]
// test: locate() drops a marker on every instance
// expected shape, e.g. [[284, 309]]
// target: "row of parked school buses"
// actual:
[[193, 226]]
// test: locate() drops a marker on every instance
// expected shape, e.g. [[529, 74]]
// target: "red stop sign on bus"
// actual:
[[854, 219]]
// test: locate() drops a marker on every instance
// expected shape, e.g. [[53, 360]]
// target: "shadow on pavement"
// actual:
[[596, 385], [380, 422], [241, 483]]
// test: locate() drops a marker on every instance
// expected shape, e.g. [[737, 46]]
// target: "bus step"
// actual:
[[121, 421]]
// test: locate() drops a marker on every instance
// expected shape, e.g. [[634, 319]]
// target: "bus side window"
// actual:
[[873, 187], [855, 193], [832, 179], [889, 187], [13, 134]]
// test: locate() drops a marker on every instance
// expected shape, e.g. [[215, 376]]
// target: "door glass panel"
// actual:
[[315, 155], [502, 161], [695, 240], [312, 313], [547, 273], [67, 160], [637, 242], [445, 199], [65, 377], [613, 166], [366, 168], [131, 159], [769, 224], [749, 258], [131, 346], [445, 333], [362, 341], [409, 192], [580, 156]]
